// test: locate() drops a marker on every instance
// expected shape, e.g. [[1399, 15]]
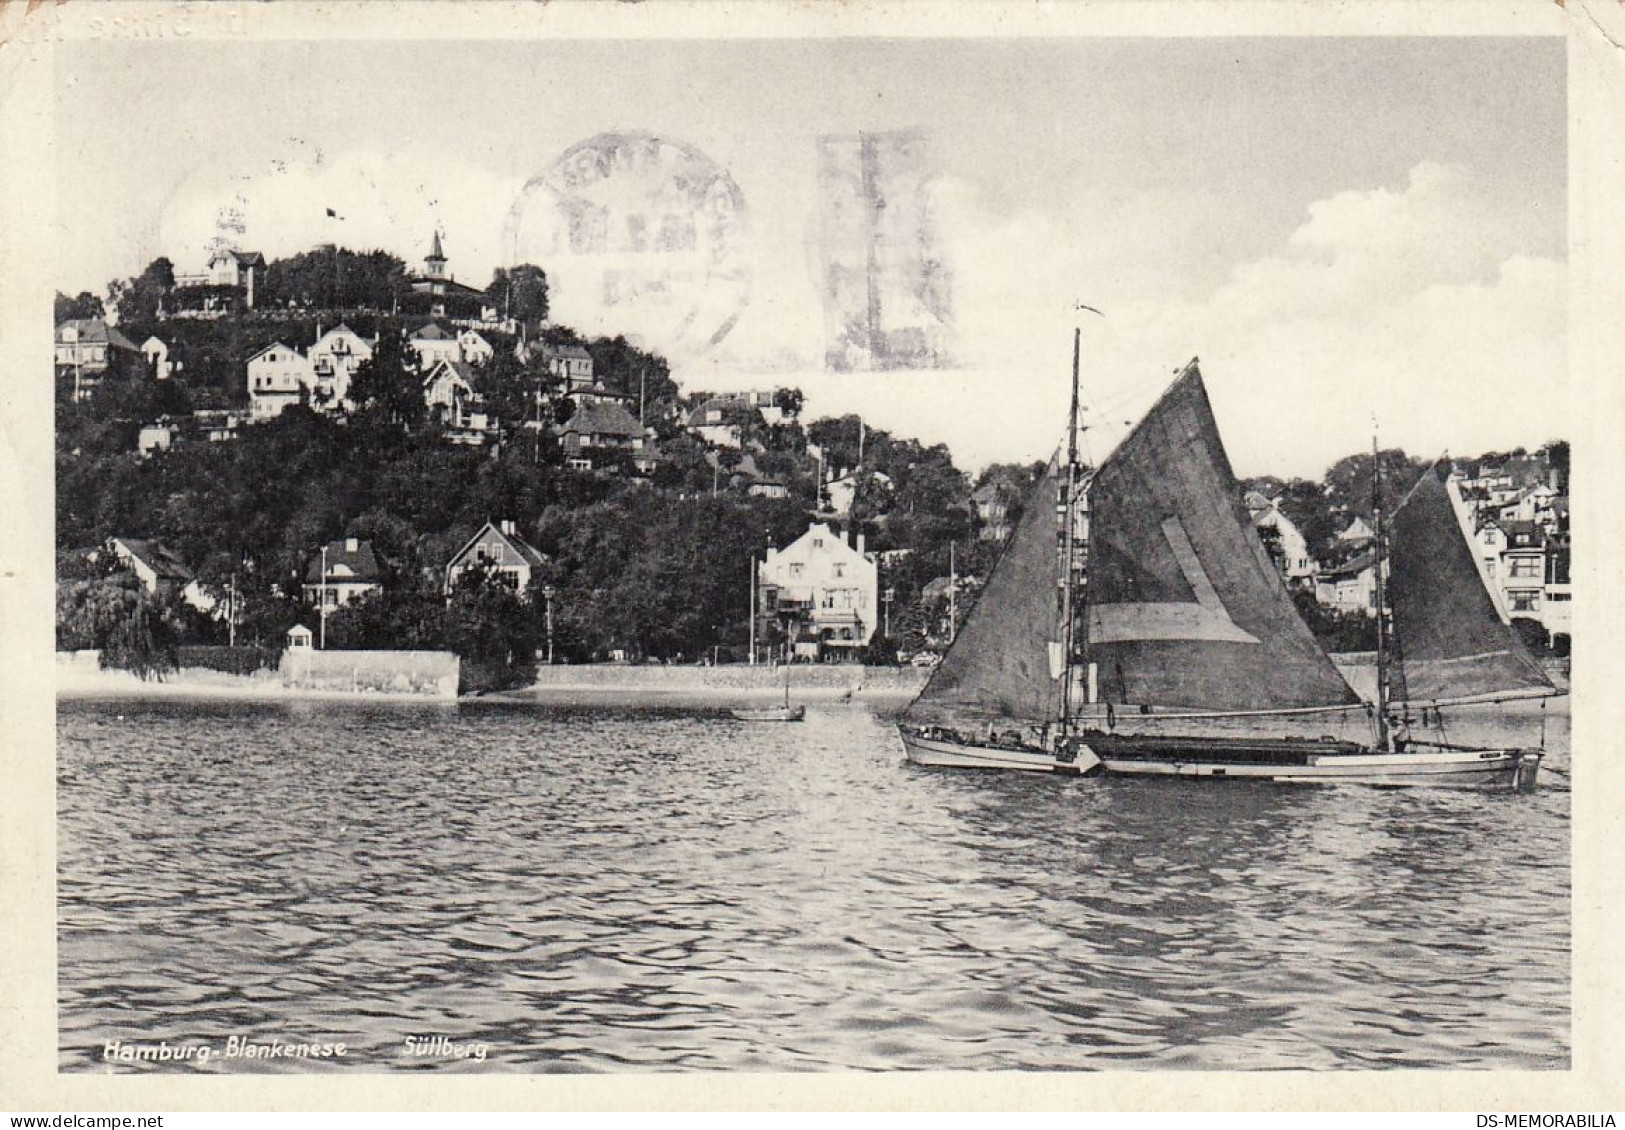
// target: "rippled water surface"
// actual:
[[603, 890]]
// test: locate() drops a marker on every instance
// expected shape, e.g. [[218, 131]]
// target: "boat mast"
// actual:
[[1379, 565], [1068, 525]]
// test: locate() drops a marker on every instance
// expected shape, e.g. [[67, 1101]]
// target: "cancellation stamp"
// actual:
[[884, 279], [646, 233]]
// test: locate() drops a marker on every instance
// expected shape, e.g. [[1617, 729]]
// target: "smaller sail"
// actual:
[[1000, 663], [1452, 643]]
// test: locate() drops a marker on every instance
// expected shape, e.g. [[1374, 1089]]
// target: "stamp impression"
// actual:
[[639, 234]]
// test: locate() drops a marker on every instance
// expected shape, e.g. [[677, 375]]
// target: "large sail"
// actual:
[[999, 664], [1184, 607], [1452, 643]]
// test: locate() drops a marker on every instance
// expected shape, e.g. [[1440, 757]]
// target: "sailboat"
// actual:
[[1136, 626], [785, 713]]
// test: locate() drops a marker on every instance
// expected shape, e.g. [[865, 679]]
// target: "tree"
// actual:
[[333, 278], [789, 401], [520, 293], [139, 299], [130, 627], [1348, 481], [1556, 454], [621, 365], [386, 387], [492, 631], [410, 618], [86, 305]]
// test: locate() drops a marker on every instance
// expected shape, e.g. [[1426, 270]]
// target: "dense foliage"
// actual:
[[650, 566]]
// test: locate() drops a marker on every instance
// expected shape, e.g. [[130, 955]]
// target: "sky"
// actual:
[[1348, 232]]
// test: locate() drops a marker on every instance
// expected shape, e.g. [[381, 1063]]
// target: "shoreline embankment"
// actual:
[[362, 676], [427, 677]]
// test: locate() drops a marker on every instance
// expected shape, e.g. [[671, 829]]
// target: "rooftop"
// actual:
[[346, 565], [598, 418], [157, 557]]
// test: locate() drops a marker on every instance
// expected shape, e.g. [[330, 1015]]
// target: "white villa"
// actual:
[[1290, 549], [334, 359], [823, 591], [279, 376]]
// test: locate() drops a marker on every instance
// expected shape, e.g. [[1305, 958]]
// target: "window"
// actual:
[[818, 543], [1524, 567], [1559, 597], [840, 569], [796, 568], [1524, 601]]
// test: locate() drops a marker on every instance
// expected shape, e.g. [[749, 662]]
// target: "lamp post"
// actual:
[[885, 602], [547, 603], [322, 596]]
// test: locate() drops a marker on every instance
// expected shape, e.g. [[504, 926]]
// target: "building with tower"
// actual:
[[435, 292]]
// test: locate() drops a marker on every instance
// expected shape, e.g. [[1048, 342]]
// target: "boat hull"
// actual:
[[948, 753], [773, 714], [1285, 762]]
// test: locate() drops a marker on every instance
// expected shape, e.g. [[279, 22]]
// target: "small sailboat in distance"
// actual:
[[1136, 626], [785, 713]]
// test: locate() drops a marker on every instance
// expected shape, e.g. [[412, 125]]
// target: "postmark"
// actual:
[[884, 278], [641, 233]]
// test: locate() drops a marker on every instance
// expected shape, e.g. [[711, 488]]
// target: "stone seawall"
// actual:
[[607, 683], [415, 675]]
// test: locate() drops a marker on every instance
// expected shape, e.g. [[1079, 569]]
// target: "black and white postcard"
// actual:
[[1018, 555]]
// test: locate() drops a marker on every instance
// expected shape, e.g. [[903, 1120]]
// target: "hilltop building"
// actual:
[[435, 292], [232, 274]]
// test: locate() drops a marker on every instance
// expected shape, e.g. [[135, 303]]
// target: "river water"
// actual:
[[604, 890]]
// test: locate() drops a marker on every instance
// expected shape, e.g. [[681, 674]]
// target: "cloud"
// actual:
[[1414, 306], [1419, 306]]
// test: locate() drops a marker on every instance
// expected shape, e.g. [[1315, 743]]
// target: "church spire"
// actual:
[[434, 263]]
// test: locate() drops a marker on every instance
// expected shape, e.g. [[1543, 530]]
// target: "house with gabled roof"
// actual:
[[498, 549], [347, 570], [568, 365], [450, 398], [227, 267], [85, 348], [599, 434], [433, 343], [335, 358], [279, 376], [155, 351], [160, 570], [1351, 586], [473, 348], [823, 592], [1287, 546]]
